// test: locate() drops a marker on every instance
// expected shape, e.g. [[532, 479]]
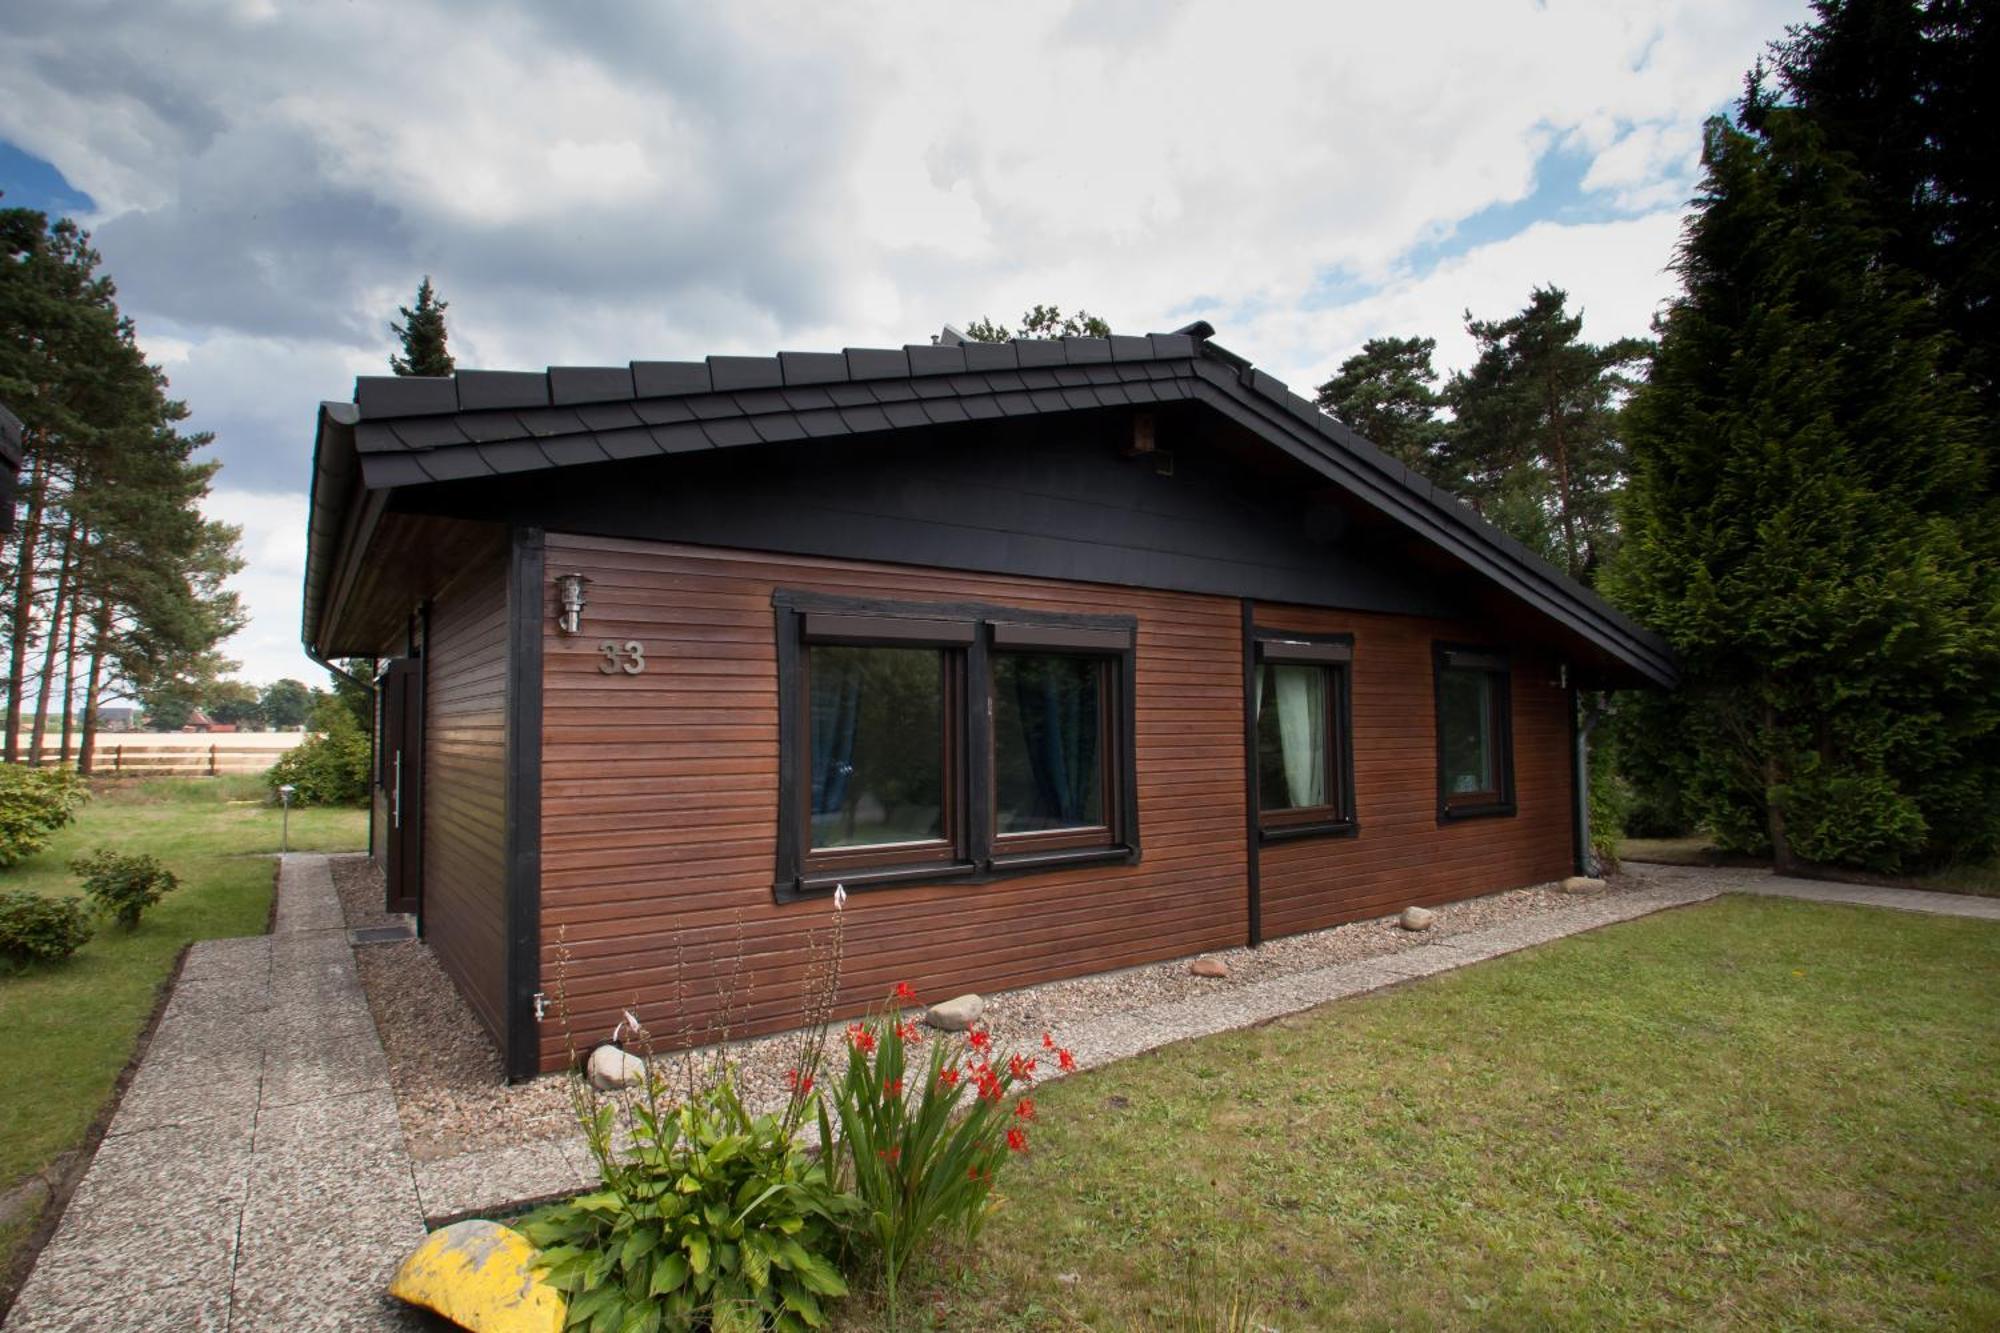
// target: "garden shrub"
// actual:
[[330, 767], [34, 803], [922, 1159], [36, 928], [124, 886], [715, 1219]]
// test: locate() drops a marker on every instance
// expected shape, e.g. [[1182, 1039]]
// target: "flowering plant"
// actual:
[[918, 1137]]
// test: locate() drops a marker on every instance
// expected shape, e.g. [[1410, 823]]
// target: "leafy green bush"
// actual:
[[123, 886], [330, 767], [716, 1219], [922, 1159], [34, 803], [35, 928]]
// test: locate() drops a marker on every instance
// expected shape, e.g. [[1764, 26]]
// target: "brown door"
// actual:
[[403, 780]]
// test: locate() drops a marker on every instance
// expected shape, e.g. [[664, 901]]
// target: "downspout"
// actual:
[[1580, 725]]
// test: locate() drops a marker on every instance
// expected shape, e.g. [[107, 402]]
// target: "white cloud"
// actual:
[[274, 553]]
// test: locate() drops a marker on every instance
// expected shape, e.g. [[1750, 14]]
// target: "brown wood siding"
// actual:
[[465, 772], [659, 803], [1402, 854]]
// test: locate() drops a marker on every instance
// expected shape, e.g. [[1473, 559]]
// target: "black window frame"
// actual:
[[1282, 647], [969, 634], [1496, 664]]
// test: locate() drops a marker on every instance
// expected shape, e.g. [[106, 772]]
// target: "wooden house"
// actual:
[[1060, 656]]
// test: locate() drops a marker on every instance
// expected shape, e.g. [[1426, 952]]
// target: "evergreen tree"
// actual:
[[1040, 321], [422, 334], [1535, 439], [287, 703], [1807, 522], [1388, 392]]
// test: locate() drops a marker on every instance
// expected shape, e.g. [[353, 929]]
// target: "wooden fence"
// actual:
[[114, 759]]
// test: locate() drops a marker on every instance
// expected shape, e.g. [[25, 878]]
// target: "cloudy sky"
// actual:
[[592, 184]]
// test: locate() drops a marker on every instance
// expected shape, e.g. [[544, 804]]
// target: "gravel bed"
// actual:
[[453, 1098]]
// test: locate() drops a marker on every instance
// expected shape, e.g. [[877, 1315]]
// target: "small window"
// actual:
[[1298, 704], [1051, 747], [1475, 744], [894, 775]]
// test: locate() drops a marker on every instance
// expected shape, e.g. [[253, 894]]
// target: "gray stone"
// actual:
[[955, 1015], [612, 1068], [1583, 884], [1208, 967], [1417, 918]]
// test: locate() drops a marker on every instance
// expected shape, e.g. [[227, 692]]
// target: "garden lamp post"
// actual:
[[285, 829]]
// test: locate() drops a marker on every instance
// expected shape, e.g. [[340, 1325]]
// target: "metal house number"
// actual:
[[628, 657]]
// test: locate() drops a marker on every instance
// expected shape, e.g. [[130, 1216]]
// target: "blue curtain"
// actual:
[[1058, 702], [836, 707]]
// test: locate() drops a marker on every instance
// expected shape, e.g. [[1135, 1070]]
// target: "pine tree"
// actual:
[[422, 334], [1535, 433], [1807, 523], [1388, 392]]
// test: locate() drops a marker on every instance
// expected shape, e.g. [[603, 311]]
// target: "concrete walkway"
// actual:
[[255, 1175], [1763, 882]]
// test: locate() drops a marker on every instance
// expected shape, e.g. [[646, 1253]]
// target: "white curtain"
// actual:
[[1302, 731]]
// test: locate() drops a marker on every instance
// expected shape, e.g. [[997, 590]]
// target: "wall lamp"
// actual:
[[569, 589]]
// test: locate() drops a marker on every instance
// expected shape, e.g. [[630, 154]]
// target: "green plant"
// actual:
[[34, 803], [124, 886], [922, 1159], [39, 928], [715, 1219], [330, 767]]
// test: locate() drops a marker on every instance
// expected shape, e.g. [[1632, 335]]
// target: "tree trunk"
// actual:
[[52, 646], [69, 680], [86, 754], [23, 616], [1774, 805]]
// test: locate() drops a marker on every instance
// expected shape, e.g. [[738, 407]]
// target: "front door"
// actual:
[[403, 780]]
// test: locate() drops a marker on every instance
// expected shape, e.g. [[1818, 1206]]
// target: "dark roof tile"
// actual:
[[405, 395], [893, 391], [1040, 352], [1127, 347], [818, 424], [711, 406], [753, 402], [1176, 345], [608, 416], [744, 372], [990, 356], [867, 363], [662, 411], [429, 432], [1267, 386], [572, 449], [905, 414], [590, 384], [397, 469], [632, 442], [850, 395], [936, 360], [681, 437], [375, 438], [812, 367], [453, 464], [726, 434], [982, 408], [1084, 351], [513, 456], [777, 429], [547, 422], [1080, 396], [811, 399], [946, 411], [502, 388], [863, 419], [658, 379]]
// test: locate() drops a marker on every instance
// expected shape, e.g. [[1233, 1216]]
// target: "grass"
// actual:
[[1754, 1113], [70, 1028]]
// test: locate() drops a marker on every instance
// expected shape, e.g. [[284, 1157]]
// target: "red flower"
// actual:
[[1048, 1041], [1064, 1060], [893, 1088], [860, 1038], [974, 1173], [949, 1076], [1017, 1140], [888, 1154], [1025, 1108], [798, 1084], [980, 1039], [907, 1031], [1023, 1070], [904, 993]]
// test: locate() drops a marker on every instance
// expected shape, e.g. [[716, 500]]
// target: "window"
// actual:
[[919, 742], [1474, 730], [1299, 728]]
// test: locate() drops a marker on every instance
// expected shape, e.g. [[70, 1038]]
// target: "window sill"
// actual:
[[1022, 862], [1332, 828], [951, 874], [821, 884], [1451, 814]]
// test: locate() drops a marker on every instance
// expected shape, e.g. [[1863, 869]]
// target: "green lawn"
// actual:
[[1748, 1114], [69, 1029]]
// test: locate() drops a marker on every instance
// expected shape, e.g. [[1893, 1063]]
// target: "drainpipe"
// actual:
[[1580, 724]]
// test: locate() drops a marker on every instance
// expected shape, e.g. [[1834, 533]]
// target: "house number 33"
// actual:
[[628, 657]]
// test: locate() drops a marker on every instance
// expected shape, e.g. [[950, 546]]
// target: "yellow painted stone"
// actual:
[[480, 1275]]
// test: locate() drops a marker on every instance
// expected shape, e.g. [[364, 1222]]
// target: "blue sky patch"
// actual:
[[28, 182]]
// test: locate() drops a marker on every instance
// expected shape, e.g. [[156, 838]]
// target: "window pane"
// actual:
[[877, 745], [1465, 719], [1292, 736], [1047, 772]]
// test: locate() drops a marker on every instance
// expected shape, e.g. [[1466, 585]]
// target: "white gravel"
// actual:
[[453, 1098]]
